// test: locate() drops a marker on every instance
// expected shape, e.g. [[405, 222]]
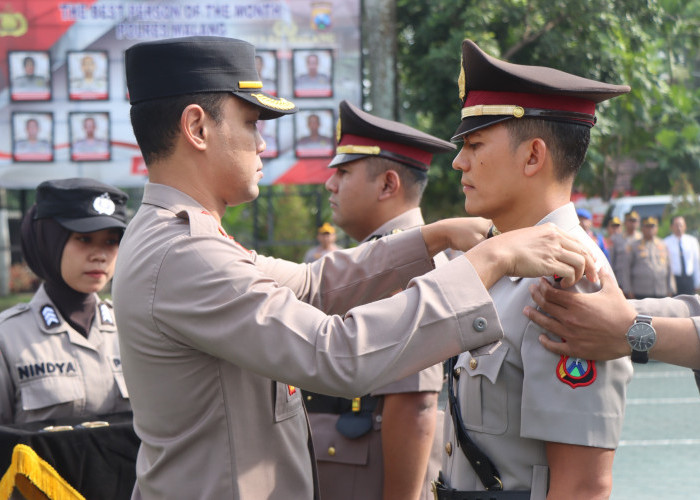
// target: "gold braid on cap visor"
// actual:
[[493, 109], [519, 112]]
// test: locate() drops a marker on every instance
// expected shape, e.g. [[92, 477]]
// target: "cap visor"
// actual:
[[90, 224], [474, 123], [270, 107], [342, 159]]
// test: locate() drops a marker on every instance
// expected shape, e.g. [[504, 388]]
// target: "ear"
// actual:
[[390, 184], [193, 125], [536, 155]]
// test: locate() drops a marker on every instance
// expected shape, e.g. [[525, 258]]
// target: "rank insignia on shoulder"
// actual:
[[576, 372], [106, 314], [50, 316]]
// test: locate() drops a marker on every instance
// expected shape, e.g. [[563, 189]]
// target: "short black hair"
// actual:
[[413, 179], [567, 142], [156, 122]]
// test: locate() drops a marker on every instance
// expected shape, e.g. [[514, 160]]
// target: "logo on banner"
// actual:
[[12, 24], [576, 372], [321, 16]]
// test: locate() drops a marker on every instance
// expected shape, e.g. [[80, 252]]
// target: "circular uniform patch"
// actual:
[[576, 372]]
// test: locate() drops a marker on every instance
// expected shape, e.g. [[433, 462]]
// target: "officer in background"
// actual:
[[326, 243], [59, 354], [684, 254], [619, 256], [378, 445], [648, 271]]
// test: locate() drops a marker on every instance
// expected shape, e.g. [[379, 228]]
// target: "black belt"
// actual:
[[321, 403], [442, 492]]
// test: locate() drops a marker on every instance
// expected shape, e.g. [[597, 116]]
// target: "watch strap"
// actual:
[[640, 356]]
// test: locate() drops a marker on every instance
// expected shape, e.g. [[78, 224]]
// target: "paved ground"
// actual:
[[659, 455]]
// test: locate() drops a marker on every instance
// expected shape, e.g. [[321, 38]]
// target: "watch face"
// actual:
[[641, 336]]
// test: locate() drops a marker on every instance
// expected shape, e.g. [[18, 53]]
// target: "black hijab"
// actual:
[[43, 241]]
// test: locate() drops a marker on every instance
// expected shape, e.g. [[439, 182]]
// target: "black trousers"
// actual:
[[685, 285]]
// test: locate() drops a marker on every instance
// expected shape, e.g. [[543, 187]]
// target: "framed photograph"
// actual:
[[269, 130], [30, 75], [89, 136], [266, 64], [32, 137], [313, 73], [313, 133], [88, 74]]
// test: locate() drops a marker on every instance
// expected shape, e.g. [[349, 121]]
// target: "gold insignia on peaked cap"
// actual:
[[462, 80], [250, 84], [338, 131], [274, 102]]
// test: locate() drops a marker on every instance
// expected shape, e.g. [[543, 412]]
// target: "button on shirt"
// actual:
[[215, 342], [49, 370]]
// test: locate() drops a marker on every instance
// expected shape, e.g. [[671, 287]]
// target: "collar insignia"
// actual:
[[106, 314], [50, 316], [576, 372]]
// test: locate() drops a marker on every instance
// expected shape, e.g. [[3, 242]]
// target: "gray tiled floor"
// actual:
[[659, 455]]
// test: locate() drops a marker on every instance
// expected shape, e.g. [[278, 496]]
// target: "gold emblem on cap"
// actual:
[[358, 150], [338, 131], [492, 110], [274, 102], [249, 85], [462, 80]]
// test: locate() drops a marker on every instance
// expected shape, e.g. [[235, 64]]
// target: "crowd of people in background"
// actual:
[[646, 265]]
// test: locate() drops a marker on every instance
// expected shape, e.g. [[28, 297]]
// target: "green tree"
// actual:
[[650, 45]]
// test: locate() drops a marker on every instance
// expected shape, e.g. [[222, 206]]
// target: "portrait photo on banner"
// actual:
[[314, 133], [30, 75], [88, 74], [89, 136], [313, 72]]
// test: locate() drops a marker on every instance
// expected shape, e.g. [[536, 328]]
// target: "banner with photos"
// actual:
[[64, 103]]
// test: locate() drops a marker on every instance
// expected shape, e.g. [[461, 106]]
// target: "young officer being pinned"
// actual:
[[59, 354], [216, 338], [525, 423], [379, 445]]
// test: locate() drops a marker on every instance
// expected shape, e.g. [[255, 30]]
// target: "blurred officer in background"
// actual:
[[380, 172], [59, 354], [648, 270], [619, 259], [216, 338], [586, 220], [684, 254], [326, 243]]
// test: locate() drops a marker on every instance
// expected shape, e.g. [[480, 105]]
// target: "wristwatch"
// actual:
[[641, 336]]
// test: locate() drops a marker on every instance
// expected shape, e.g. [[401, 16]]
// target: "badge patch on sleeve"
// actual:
[[576, 372]]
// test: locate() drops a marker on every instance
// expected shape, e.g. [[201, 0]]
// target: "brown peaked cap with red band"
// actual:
[[493, 91], [360, 134]]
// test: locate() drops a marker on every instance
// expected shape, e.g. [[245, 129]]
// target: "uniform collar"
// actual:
[[406, 220]]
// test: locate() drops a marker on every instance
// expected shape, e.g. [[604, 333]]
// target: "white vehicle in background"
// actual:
[[655, 206]]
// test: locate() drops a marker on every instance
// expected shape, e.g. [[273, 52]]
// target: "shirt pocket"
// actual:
[[331, 446], [51, 391], [288, 401], [483, 391]]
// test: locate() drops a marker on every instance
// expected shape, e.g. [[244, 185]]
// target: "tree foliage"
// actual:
[[651, 45]]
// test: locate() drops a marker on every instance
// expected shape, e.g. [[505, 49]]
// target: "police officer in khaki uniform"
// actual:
[[59, 354], [378, 445], [524, 423], [216, 339], [619, 256], [648, 270]]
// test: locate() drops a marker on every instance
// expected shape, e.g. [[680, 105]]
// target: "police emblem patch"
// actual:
[[104, 205], [50, 316], [576, 372]]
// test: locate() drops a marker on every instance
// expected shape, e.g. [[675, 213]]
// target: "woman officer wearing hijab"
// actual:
[[59, 354]]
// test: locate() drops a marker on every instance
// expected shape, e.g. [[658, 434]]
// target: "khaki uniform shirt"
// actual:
[[354, 468], [215, 342], [648, 271], [521, 396], [50, 371]]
